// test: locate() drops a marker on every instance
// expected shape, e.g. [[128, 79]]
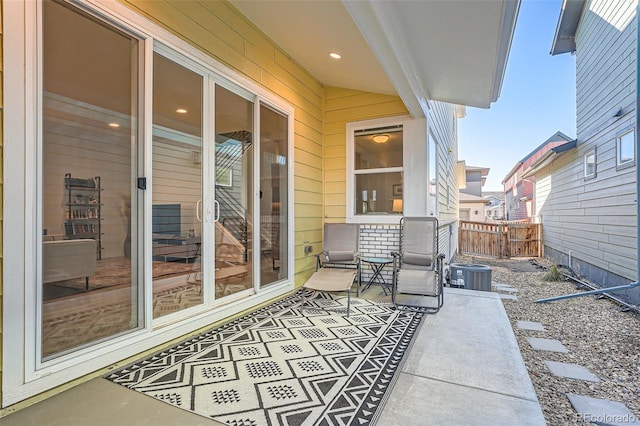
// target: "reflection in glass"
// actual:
[[177, 187], [378, 170], [378, 148], [627, 145], [388, 187], [233, 191], [273, 196], [89, 135], [432, 194]]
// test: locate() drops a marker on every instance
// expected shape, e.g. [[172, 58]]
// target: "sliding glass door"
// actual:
[[145, 221]]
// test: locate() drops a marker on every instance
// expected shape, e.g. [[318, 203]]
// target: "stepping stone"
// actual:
[[530, 325], [507, 296], [571, 371], [602, 411], [550, 345], [507, 289]]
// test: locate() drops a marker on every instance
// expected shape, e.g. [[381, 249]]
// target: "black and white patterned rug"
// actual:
[[280, 366]]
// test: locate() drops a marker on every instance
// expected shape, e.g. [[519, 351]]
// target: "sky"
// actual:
[[536, 101]]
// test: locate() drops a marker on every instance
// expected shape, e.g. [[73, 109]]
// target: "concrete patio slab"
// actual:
[[470, 343], [571, 371], [550, 345], [530, 325], [418, 400], [602, 411], [464, 368]]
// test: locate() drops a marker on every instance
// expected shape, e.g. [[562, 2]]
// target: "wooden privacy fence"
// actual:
[[501, 240]]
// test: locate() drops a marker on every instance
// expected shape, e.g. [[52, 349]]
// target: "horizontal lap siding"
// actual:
[[219, 30], [341, 107], [442, 123], [595, 219], [1, 183]]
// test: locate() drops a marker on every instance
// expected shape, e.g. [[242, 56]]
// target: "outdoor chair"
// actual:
[[417, 267], [338, 264]]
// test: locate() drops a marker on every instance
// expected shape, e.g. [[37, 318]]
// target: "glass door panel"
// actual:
[[89, 283], [274, 183], [233, 193], [177, 187]]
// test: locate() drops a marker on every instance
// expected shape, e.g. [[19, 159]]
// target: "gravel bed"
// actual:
[[598, 335]]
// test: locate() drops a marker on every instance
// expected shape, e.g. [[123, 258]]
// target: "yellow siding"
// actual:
[[218, 29], [1, 183], [343, 106]]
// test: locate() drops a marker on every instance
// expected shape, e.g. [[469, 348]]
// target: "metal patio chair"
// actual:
[[417, 267], [338, 266]]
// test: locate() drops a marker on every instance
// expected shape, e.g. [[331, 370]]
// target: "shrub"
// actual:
[[553, 274]]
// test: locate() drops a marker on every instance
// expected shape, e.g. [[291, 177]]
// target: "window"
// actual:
[[378, 167], [387, 169], [590, 164], [432, 197], [626, 149]]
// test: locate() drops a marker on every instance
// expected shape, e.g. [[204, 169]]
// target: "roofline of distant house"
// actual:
[[538, 148], [549, 157]]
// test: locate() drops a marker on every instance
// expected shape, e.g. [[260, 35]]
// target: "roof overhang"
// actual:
[[548, 158], [564, 40], [450, 51]]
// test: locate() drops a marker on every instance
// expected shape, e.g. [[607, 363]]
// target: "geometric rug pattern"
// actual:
[[283, 365]]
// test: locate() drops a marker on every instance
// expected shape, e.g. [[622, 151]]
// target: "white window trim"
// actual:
[[629, 163], [589, 176], [22, 377], [414, 154]]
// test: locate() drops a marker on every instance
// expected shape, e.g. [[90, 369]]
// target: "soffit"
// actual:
[[451, 51]]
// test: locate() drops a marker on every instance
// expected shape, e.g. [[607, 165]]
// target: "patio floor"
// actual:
[[465, 367]]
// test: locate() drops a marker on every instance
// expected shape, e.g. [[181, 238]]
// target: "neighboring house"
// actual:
[[223, 137], [472, 207], [472, 204], [519, 189], [476, 177], [494, 210], [586, 190]]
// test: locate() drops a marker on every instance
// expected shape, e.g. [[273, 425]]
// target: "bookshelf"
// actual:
[[83, 210]]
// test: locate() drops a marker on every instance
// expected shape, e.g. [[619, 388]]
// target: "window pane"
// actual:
[[89, 142], [379, 193], [234, 193], [590, 164], [433, 181], [378, 148], [627, 147], [274, 195], [177, 187]]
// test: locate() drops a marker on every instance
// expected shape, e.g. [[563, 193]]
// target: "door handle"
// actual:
[[198, 203], [217, 216]]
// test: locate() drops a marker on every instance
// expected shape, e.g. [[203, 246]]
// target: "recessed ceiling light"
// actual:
[[114, 125], [181, 111], [335, 55]]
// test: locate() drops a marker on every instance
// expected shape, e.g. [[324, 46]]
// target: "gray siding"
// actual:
[[595, 220], [443, 125]]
